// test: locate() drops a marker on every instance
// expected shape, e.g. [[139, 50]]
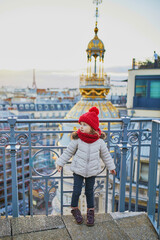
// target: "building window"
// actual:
[[52, 107], [147, 92], [27, 106], [46, 107], [144, 172], [96, 204], [32, 106], [141, 88], [32, 115], [58, 106], [40, 107], [155, 89]]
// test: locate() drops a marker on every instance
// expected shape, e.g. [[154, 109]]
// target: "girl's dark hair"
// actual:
[[74, 135]]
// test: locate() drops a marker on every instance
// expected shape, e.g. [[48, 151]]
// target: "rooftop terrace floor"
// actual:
[[110, 226]]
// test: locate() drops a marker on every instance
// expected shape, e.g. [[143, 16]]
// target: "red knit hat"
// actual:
[[91, 118]]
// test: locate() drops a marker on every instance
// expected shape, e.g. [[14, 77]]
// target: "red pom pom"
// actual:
[[94, 109]]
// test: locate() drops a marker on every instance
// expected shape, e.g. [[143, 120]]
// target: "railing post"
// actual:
[[124, 149], [153, 162], [12, 122]]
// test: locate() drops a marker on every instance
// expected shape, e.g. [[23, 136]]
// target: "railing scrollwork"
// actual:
[[4, 139]]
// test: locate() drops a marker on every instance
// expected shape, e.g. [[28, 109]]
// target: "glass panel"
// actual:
[[155, 89], [141, 88]]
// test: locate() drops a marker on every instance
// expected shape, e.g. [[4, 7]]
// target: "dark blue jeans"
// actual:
[[77, 188]]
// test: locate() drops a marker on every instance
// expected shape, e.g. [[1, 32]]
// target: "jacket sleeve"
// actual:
[[106, 156], [68, 153]]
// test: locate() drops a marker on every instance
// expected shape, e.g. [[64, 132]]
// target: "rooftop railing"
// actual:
[[145, 64], [28, 176]]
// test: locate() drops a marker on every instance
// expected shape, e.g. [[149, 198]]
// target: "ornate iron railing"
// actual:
[[28, 153], [154, 177]]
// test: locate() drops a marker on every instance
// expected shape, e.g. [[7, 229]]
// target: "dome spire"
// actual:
[[97, 14], [95, 85], [96, 47]]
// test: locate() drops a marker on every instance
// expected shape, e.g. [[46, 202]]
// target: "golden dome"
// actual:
[[95, 43], [95, 46], [106, 109]]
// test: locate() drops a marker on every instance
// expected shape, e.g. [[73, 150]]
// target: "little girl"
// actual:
[[87, 147]]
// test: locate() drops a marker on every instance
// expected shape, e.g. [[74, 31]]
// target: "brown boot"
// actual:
[[90, 217], [77, 215]]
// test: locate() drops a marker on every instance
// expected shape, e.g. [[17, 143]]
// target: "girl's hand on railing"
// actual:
[[59, 168], [113, 172]]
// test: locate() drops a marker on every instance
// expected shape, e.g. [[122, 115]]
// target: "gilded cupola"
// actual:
[[95, 47], [95, 84]]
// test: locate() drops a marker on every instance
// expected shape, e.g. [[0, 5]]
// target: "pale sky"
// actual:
[[52, 36]]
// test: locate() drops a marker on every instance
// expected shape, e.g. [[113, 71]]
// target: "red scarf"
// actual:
[[88, 138]]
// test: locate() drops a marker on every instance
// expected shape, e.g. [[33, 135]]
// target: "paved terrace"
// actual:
[[110, 226]]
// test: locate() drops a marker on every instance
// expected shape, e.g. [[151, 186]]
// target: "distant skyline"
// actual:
[[52, 36], [50, 78]]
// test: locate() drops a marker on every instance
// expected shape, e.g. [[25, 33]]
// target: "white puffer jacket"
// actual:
[[86, 160]]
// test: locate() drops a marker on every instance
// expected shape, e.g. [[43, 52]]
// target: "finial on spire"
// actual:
[[97, 1]]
